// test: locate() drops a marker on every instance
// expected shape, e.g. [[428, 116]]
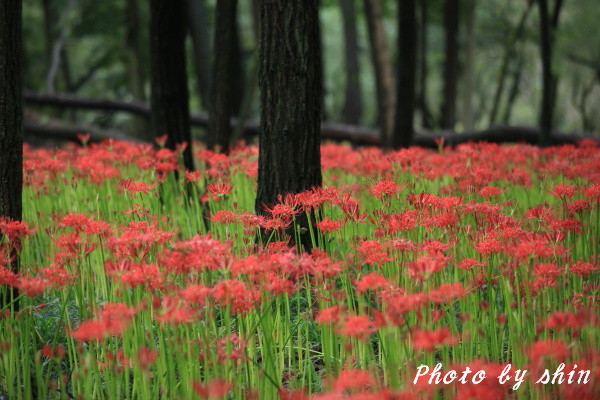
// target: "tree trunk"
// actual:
[[290, 91], [407, 71], [199, 33], [451, 11], [546, 113], [134, 62], [11, 122], [352, 108], [221, 110], [469, 74], [383, 69], [169, 98], [427, 118], [237, 65], [514, 90], [507, 57]]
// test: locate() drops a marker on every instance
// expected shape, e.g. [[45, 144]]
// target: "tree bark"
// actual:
[[352, 108], [383, 69], [426, 117], [290, 90], [468, 118], [136, 72], [451, 12], [547, 112], [509, 50], [198, 27], [221, 110], [407, 71], [11, 123], [169, 98]]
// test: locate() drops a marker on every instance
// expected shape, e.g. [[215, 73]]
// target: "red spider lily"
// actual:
[[429, 340], [56, 352], [352, 379], [219, 188], [112, 320], [161, 140], [384, 188], [426, 265], [469, 263], [134, 187], [490, 191], [545, 275], [562, 190], [566, 320], [327, 225], [231, 348], [196, 294], [174, 310], [328, 315], [191, 176], [552, 348], [358, 326], [584, 269], [235, 294], [371, 280], [15, 231], [215, 389], [373, 252], [32, 285], [146, 357], [446, 292], [147, 275]]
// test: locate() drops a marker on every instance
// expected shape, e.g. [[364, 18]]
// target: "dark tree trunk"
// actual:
[[509, 51], [546, 113], [427, 118], [135, 68], [237, 65], [199, 32], [517, 73], [223, 90], [290, 92], [383, 69], [169, 99], [352, 108], [468, 116], [407, 71], [11, 121], [451, 11]]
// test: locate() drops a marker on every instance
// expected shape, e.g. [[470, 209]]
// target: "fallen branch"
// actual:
[[356, 135]]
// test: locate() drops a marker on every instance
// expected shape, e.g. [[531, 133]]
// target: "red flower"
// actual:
[[551, 348], [372, 280], [384, 188], [214, 389], [358, 326], [327, 225], [134, 187], [146, 357], [219, 188], [429, 340]]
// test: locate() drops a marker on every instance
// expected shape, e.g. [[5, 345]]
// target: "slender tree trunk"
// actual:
[[290, 90], [169, 99], [136, 72], [223, 90], [407, 71], [427, 118], [11, 123], [383, 69], [469, 74], [546, 113], [517, 73], [352, 108], [509, 50], [451, 12], [198, 27], [237, 66]]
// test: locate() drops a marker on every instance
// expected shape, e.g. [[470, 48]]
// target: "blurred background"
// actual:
[[89, 49]]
